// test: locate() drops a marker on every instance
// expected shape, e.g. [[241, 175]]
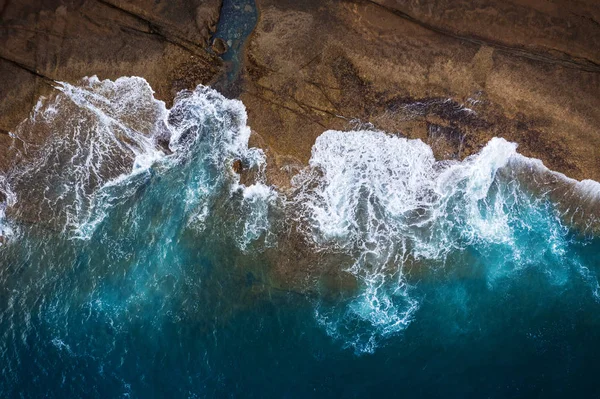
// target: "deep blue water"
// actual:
[[146, 273]]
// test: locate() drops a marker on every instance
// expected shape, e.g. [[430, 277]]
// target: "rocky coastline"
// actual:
[[454, 74], [210, 198]]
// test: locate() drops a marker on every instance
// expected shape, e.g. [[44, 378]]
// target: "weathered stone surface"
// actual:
[[564, 32], [237, 166], [64, 40], [453, 73], [219, 46]]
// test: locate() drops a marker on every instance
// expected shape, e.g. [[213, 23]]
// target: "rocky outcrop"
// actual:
[[559, 32], [453, 73], [219, 46], [65, 40]]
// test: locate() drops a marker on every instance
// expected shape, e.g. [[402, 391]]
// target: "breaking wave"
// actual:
[[386, 202], [106, 164], [102, 140]]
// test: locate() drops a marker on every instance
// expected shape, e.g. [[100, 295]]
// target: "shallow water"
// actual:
[[236, 22], [136, 264]]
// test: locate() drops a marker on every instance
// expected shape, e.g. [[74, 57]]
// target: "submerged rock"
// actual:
[[219, 46]]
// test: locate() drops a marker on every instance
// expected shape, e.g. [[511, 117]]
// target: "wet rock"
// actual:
[[527, 69], [401, 68], [163, 144], [445, 141], [40, 42], [237, 166], [219, 46]]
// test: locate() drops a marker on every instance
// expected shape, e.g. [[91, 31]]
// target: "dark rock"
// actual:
[[237, 166], [219, 46]]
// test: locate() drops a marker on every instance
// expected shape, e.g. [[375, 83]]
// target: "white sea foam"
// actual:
[[382, 199], [205, 121], [578, 201], [257, 200], [372, 190], [6, 230], [102, 138], [385, 200], [79, 140]]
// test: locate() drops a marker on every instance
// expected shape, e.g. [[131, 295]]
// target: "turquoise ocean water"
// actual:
[[136, 263]]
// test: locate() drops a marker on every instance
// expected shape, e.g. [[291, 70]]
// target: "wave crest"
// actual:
[[385, 201]]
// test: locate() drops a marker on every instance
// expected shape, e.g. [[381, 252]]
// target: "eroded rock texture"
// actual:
[[453, 73], [65, 40]]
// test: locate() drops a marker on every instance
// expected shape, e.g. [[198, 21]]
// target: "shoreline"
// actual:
[[369, 63], [576, 202], [280, 171], [367, 221], [356, 198]]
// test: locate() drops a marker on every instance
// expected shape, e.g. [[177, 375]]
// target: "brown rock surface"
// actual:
[[453, 73], [219, 46], [65, 40]]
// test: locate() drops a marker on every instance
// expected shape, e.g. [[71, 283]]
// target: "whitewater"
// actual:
[[130, 247]]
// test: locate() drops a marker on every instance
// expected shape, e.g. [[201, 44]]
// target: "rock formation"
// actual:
[[453, 73], [63, 40]]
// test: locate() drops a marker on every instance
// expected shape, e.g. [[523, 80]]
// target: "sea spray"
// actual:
[[7, 198], [105, 139], [136, 257], [387, 202], [79, 140]]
